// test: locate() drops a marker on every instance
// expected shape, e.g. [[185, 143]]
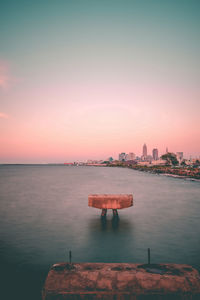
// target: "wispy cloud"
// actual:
[[3, 115]]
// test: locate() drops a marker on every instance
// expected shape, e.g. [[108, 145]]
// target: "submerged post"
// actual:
[[149, 258], [70, 256]]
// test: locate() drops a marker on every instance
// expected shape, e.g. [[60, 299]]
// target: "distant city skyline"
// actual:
[[92, 79]]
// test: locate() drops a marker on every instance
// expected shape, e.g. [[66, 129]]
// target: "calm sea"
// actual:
[[44, 213]]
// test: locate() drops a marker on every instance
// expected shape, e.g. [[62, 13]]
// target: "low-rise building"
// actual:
[[179, 156], [122, 156]]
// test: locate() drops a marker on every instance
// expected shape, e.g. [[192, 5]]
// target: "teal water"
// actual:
[[44, 213]]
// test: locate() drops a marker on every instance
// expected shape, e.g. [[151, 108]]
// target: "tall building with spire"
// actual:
[[144, 152]]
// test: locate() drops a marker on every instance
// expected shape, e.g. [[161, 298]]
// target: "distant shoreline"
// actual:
[[192, 174], [181, 177]]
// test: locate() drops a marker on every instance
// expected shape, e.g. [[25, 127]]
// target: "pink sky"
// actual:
[[75, 122], [91, 81]]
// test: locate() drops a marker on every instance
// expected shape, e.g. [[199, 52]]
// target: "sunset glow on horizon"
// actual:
[[91, 79]]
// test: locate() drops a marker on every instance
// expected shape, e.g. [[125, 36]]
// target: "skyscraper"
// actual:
[[144, 150], [130, 156], [155, 154]]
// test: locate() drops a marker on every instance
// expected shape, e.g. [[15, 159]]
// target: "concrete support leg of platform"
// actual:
[[104, 212], [115, 213]]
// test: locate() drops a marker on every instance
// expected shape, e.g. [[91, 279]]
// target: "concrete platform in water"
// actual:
[[110, 201], [121, 281]]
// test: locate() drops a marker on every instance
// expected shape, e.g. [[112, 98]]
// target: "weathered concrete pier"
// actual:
[[121, 281], [110, 201]]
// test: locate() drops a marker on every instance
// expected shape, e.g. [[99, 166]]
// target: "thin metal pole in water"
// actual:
[[70, 256], [149, 260]]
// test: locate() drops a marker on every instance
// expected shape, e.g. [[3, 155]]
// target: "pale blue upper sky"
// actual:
[[63, 32]]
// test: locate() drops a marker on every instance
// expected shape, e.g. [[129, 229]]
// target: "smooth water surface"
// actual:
[[44, 213]]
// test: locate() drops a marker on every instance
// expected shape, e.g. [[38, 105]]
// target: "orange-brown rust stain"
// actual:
[[110, 201], [119, 281]]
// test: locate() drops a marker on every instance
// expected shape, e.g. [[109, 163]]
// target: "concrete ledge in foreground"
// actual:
[[121, 281]]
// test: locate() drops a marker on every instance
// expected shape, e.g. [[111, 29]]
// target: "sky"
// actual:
[[88, 79]]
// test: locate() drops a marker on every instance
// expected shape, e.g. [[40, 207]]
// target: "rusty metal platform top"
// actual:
[[110, 201]]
